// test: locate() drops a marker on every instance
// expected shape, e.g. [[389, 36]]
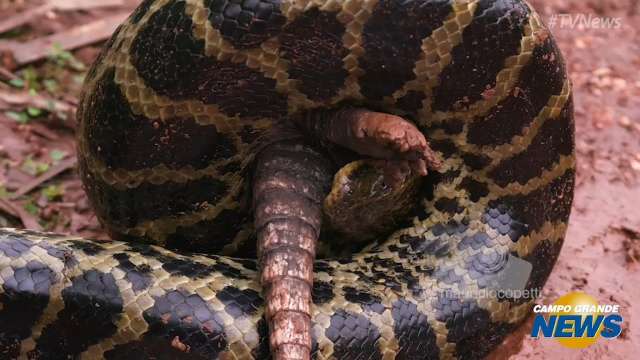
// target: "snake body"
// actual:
[[177, 105]]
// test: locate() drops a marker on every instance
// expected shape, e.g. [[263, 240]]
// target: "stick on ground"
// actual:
[[38, 49], [63, 166], [12, 99], [30, 15]]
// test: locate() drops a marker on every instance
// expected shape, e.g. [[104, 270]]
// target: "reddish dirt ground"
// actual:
[[601, 255], [601, 252]]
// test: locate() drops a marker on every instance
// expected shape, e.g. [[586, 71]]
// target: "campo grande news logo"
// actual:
[[577, 321]]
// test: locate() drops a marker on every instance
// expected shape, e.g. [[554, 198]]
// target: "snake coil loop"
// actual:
[[173, 113]]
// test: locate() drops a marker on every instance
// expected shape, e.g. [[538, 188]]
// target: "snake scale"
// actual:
[[174, 111]]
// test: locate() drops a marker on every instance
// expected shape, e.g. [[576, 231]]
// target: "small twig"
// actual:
[[30, 15], [40, 48], [24, 17], [28, 220], [50, 174], [86, 4], [39, 101], [6, 74], [9, 208], [44, 131]]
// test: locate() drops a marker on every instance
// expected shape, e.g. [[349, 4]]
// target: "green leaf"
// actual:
[[34, 168], [3, 192], [41, 168], [34, 112], [65, 58], [17, 82], [53, 192], [31, 208], [56, 51], [30, 76], [51, 85], [58, 155], [19, 117]]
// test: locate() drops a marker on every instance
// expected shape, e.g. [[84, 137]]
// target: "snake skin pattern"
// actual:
[[174, 110]]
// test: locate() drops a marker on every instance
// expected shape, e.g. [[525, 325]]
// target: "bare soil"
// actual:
[[600, 255]]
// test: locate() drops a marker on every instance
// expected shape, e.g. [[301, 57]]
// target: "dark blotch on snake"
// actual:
[[65, 255], [138, 275], [312, 43], [322, 292], [450, 206], [543, 257], [229, 271], [246, 23], [149, 251], [187, 267], [493, 35], [446, 147], [208, 236], [14, 246], [540, 79], [463, 317], [92, 308], [422, 246], [23, 299], [392, 40], [262, 351], [476, 161], [90, 248], [369, 302], [121, 139], [550, 203], [353, 336], [479, 345], [553, 141], [177, 314], [129, 207], [172, 62], [469, 326], [239, 303], [411, 102], [418, 340], [449, 126], [476, 189]]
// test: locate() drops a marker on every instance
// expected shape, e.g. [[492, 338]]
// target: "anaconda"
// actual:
[[183, 100]]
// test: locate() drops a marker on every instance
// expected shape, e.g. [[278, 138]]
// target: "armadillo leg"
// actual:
[[291, 181], [398, 144]]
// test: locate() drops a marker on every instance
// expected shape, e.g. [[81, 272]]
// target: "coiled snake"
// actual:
[[185, 97]]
